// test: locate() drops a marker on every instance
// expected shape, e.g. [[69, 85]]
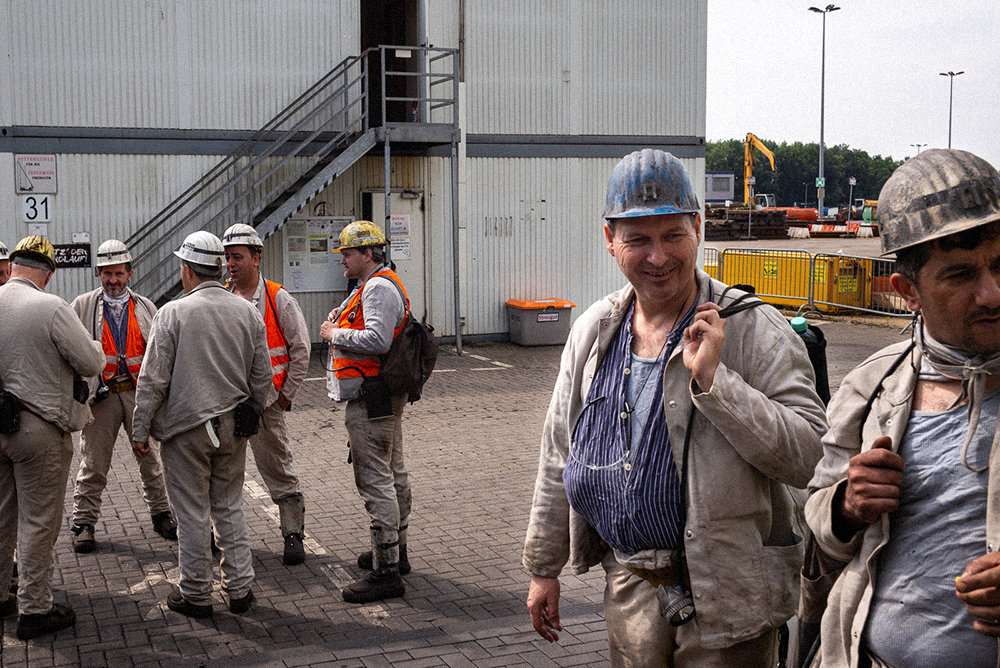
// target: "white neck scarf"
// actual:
[[117, 306], [941, 362]]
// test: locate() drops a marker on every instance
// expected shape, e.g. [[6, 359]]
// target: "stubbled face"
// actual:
[[355, 262], [4, 271], [114, 279], [242, 263], [958, 294], [658, 255]]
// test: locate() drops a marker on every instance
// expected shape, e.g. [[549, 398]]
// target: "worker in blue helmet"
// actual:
[[683, 414]]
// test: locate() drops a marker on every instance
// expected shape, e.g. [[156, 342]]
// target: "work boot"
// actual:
[[32, 626], [177, 603], [295, 552], [238, 606], [165, 525], [375, 587], [83, 538], [365, 561]]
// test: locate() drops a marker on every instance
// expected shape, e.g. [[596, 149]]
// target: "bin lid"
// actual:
[[527, 304]]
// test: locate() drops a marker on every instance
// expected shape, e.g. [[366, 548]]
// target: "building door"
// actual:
[[406, 237]]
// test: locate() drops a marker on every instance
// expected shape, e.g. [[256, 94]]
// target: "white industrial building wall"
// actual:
[[108, 196], [224, 64], [535, 232], [589, 67]]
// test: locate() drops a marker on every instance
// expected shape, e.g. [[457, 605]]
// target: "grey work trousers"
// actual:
[[97, 444], [274, 462], [34, 469], [639, 636], [379, 470], [206, 486]]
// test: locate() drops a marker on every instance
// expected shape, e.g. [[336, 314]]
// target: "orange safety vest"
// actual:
[[277, 345], [135, 347], [353, 317]]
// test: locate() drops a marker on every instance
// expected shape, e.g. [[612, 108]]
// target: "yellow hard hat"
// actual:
[[359, 234], [36, 247]]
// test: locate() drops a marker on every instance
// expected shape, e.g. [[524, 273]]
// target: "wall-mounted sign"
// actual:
[[72, 255], [37, 208], [35, 174], [310, 266]]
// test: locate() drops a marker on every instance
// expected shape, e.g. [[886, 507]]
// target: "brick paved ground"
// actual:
[[471, 447]]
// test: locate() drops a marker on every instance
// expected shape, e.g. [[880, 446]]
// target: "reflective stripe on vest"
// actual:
[[135, 347], [346, 364], [276, 345]]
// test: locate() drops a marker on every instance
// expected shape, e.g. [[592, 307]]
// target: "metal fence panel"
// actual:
[[855, 283], [780, 277]]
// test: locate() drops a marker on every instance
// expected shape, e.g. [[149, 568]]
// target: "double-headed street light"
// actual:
[[918, 147], [951, 88], [821, 189]]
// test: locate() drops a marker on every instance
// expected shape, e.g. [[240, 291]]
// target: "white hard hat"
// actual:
[[4, 253], [242, 234], [202, 248], [111, 252]]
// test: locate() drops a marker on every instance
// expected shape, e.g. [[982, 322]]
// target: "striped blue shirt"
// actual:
[[625, 484]]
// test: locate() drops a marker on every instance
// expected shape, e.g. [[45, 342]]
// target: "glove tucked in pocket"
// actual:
[[246, 418], [10, 413]]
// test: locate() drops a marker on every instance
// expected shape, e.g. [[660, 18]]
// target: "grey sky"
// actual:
[[883, 88]]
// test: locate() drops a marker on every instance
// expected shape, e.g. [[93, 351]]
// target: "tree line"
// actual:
[[793, 181]]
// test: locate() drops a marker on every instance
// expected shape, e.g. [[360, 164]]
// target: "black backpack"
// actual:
[[412, 355], [411, 358]]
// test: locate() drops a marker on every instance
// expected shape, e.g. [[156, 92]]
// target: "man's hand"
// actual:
[[703, 344], [873, 481], [140, 449], [326, 330], [334, 314], [979, 588], [283, 401], [543, 604]]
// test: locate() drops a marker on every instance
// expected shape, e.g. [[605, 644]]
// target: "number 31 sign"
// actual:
[[36, 208]]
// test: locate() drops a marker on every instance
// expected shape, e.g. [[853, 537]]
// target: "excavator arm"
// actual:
[[748, 145]]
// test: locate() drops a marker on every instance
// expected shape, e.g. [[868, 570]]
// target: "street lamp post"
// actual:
[[820, 190], [919, 146], [805, 192], [850, 199], [951, 88]]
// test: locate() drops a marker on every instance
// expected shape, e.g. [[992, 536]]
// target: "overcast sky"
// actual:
[[883, 59]]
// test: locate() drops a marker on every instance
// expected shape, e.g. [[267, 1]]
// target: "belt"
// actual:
[[121, 386]]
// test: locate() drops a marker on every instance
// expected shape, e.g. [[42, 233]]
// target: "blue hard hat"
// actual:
[[649, 182]]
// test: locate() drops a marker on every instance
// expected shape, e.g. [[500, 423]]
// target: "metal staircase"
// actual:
[[302, 150]]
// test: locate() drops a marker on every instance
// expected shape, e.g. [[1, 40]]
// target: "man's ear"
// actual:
[[906, 289], [609, 239]]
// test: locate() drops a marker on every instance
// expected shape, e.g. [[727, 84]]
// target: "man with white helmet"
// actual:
[[907, 494], [682, 413], [289, 347], [120, 319], [4, 263], [360, 332], [45, 351], [200, 392]]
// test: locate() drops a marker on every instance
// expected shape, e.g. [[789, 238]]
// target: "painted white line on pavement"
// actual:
[[502, 365], [486, 368], [443, 370], [479, 357]]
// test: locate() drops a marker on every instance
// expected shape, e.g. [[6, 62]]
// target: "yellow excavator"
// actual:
[[750, 142]]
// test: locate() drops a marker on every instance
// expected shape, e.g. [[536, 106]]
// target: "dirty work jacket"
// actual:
[[90, 308], [383, 313], [757, 430], [850, 599], [296, 331], [44, 344], [206, 353]]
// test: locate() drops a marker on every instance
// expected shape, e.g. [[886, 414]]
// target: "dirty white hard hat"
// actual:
[[242, 234], [112, 252], [202, 248]]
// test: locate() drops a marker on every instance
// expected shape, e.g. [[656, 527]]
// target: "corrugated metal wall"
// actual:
[[630, 67], [225, 64], [108, 196], [535, 231]]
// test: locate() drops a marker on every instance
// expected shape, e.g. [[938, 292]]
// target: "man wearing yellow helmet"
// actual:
[[360, 331], [46, 349]]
